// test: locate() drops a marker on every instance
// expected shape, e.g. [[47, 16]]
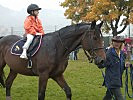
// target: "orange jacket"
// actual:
[[33, 25]]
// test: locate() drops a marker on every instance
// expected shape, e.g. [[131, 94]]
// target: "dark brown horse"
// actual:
[[52, 58]]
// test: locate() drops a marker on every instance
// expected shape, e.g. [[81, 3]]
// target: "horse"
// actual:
[[52, 58]]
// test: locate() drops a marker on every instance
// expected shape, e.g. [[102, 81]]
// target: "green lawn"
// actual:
[[85, 80]]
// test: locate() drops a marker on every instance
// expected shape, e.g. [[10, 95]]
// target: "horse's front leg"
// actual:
[[43, 78], [62, 83], [12, 75]]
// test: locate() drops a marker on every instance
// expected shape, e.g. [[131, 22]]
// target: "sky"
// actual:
[[22, 4], [18, 5]]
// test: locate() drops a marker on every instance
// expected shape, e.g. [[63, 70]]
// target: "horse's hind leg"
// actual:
[[2, 77], [2, 65], [12, 75], [62, 83]]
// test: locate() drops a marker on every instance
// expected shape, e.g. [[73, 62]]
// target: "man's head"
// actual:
[[117, 42]]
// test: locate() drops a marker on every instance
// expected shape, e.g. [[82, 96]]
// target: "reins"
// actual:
[[61, 41], [107, 85], [126, 82], [90, 58]]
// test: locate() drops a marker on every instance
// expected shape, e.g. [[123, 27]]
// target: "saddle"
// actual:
[[33, 48]]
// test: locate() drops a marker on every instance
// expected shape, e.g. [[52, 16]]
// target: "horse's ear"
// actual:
[[100, 25], [93, 24]]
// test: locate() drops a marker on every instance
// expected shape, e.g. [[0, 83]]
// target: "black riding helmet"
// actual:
[[32, 7]]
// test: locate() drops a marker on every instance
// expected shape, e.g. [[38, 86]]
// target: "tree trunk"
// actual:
[[115, 33]]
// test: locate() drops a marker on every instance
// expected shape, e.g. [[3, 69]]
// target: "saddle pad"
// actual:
[[34, 47]]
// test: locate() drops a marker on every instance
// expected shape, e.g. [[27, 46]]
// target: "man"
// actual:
[[114, 67]]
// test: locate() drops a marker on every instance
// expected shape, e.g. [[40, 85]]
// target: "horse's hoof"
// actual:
[[8, 97]]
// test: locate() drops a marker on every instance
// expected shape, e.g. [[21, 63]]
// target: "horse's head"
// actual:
[[92, 43]]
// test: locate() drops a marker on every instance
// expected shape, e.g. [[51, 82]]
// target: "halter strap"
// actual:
[[61, 41], [126, 82]]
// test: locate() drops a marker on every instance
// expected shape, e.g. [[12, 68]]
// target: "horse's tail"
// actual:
[[2, 77]]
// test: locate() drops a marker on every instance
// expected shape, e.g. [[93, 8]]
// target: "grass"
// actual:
[[84, 78]]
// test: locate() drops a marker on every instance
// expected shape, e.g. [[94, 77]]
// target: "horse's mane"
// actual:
[[68, 28], [67, 31], [73, 26]]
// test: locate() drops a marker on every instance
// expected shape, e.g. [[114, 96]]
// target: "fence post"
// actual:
[[55, 27], [11, 30]]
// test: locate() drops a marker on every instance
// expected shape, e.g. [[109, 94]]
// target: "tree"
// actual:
[[114, 13]]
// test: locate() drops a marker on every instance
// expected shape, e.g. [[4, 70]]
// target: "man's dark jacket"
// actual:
[[114, 67]]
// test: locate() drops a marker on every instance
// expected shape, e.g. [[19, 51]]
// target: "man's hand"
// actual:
[[127, 64]]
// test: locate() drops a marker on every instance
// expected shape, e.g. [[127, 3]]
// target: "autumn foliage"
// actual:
[[109, 11]]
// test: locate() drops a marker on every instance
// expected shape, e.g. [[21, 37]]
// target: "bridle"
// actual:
[[91, 55]]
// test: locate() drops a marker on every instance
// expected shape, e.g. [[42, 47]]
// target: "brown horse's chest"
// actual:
[[59, 69]]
